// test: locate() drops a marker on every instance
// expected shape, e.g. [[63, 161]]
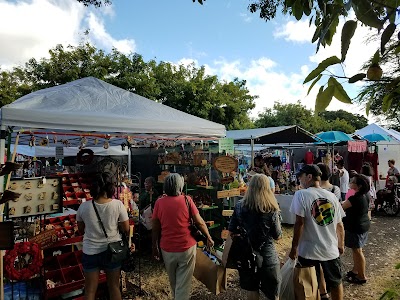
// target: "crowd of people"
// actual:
[[328, 219]]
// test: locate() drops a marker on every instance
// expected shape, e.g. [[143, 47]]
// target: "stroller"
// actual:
[[388, 199]]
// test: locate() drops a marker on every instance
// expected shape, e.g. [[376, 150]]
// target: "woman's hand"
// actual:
[[156, 253], [210, 242]]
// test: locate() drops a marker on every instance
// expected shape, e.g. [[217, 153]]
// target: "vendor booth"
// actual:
[[275, 145], [88, 117]]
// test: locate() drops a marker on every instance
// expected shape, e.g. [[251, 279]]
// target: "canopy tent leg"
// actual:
[[2, 150], [129, 163], [252, 151]]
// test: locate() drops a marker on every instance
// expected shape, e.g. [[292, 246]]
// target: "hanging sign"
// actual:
[[225, 164], [226, 144], [228, 193], [45, 239], [59, 152]]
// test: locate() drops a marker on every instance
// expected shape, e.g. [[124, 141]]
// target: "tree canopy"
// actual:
[[297, 114], [186, 88]]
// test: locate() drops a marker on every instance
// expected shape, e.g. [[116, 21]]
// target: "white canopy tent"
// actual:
[[386, 149], [92, 105]]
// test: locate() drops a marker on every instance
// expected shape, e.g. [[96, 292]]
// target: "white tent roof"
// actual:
[[375, 128], [90, 104]]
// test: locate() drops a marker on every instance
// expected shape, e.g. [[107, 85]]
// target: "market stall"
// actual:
[[88, 113]]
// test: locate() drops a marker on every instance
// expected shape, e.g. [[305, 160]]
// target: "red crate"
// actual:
[[67, 260]]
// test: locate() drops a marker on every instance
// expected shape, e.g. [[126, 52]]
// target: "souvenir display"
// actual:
[[38, 196]]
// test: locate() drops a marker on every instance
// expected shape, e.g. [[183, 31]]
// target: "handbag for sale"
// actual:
[[117, 251], [194, 231]]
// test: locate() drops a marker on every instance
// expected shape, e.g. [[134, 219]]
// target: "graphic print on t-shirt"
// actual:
[[322, 212]]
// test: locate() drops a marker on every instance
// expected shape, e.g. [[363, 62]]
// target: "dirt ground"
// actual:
[[382, 253]]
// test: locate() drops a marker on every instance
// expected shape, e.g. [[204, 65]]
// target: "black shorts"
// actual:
[[267, 279], [355, 240], [333, 270]]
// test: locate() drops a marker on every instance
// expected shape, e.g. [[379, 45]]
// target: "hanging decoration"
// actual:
[[26, 269], [85, 156]]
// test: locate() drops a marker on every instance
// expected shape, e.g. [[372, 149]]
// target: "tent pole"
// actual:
[[129, 163], [2, 149], [252, 151]]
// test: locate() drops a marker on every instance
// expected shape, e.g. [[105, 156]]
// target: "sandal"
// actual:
[[324, 296], [351, 274], [356, 280]]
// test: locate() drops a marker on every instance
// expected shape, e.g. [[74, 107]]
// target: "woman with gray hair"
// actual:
[[171, 235]]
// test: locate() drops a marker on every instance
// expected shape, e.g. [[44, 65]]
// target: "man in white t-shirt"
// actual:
[[318, 238], [344, 179]]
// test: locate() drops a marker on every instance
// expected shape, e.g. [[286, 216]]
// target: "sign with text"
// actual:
[[226, 144], [228, 193], [225, 164], [45, 239]]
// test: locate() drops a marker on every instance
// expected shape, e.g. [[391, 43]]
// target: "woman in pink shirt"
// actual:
[[171, 235]]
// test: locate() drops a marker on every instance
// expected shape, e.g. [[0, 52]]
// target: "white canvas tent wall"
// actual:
[[386, 150], [42, 151]]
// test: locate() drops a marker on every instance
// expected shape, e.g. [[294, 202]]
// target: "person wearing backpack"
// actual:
[[255, 224]]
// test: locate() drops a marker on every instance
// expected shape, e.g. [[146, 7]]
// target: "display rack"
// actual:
[[76, 188]]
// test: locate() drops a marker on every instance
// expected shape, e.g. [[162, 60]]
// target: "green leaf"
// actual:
[[349, 28], [324, 97], [339, 92], [317, 33], [357, 77], [314, 82], [397, 50], [333, 60], [366, 14], [386, 102], [297, 9], [386, 35], [397, 266], [376, 58]]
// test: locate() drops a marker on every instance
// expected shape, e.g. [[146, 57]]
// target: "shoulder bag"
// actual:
[[117, 251], [194, 231]]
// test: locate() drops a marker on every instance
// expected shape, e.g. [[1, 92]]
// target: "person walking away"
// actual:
[[318, 238], [325, 184], [115, 219], [356, 225], [258, 213], [344, 179], [172, 238]]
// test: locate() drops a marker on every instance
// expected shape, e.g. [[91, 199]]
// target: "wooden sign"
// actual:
[[228, 193], [225, 164], [45, 239], [226, 180]]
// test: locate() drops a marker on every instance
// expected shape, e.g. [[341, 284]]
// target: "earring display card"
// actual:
[[6, 235], [39, 196]]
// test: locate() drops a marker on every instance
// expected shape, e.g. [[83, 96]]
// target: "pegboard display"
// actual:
[[39, 196]]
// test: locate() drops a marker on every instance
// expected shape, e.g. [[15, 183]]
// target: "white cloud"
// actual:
[[246, 17], [102, 38], [295, 31], [29, 28], [266, 81]]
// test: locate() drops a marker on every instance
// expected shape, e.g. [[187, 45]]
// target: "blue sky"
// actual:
[[273, 57]]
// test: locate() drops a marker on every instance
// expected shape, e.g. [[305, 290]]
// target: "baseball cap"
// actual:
[[314, 170]]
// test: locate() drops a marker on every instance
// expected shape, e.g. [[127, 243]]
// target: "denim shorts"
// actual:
[[355, 240], [97, 262]]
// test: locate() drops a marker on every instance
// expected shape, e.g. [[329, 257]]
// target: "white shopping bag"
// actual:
[[146, 217], [287, 286]]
